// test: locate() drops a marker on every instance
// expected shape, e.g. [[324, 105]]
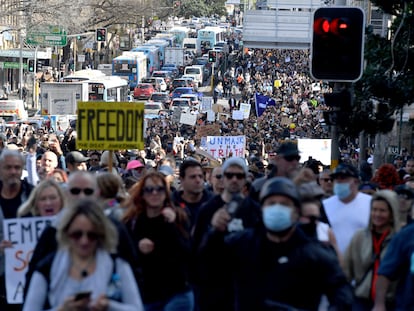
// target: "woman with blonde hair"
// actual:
[[83, 274], [367, 248], [46, 199]]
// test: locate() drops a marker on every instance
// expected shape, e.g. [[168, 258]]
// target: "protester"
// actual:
[[83, 264], [348, 209], [367, 248], [46, 199], [274, 267], [162, 234]]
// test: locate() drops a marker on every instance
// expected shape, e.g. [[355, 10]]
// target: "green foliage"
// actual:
[[389, 72], [190, 8]]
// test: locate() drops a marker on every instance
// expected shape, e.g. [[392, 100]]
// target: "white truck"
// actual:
[[176, 56], [61, 98], [12, 111]]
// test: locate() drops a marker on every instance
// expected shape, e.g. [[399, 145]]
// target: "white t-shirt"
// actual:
[[347, 218]]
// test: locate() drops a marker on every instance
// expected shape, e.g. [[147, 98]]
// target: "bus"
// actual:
[[131, 66], [161, 44], [180, 33], [108, 89], [171, 38], [83, 75], [208, 37], [153, 57]]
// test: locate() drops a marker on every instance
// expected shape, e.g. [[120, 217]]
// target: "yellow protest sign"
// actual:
[[110, 125]]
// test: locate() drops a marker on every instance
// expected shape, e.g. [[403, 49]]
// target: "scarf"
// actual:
[[377, 243]]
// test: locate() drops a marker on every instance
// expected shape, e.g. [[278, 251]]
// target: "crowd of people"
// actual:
[[170, 228], [128, 235]]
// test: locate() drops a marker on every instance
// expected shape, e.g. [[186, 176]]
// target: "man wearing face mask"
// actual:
[[276, 266], [348, 209]]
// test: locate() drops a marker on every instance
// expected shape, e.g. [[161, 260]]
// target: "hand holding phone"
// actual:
[[82, 295]]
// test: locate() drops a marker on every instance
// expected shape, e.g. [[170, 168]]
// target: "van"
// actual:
[[197, 72], [13, 110]]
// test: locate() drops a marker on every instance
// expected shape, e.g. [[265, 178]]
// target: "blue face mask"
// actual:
[[342, 190], [277, 217]]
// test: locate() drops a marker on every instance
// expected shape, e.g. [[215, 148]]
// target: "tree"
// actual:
[[389, 73]]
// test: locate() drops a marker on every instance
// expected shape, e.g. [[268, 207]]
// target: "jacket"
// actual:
[[295, 273]]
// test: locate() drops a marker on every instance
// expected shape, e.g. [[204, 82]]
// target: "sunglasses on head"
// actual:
[[292, 158], [78, 234], [86, 191], [152, 189], [237, 175]]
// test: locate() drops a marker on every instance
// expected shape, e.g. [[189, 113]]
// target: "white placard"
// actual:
[[206, 104], [188, 118], [226, 146], [24, 234], [246, 110], [211, 116], [318, 149], [237, 115]]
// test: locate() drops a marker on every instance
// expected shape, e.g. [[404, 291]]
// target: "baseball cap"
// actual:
[[345, 170], [133, 164], [75, 157]]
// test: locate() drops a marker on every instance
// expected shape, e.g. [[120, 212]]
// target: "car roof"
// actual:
[[184, 88]]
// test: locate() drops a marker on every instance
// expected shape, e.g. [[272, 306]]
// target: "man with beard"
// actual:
[[231, 211], [13, 192]]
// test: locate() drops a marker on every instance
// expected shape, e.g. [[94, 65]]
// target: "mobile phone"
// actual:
[[82, 295]]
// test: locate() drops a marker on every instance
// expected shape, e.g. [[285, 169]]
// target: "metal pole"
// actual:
[[34, 91], [74, 53], [21, 65]]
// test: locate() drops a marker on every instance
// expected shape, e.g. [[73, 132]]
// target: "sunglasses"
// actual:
[[218, 176], [292, 158], [237, 175], [94, 160], [326, 179], [86, 191], [152, 189], [78, 234]]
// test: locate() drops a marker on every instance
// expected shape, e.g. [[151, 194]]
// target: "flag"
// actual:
[[262, 102]]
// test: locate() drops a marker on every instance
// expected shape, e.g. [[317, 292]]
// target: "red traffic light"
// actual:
[[337, 44]]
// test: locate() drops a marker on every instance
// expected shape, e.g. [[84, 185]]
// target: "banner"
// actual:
[[110, 125], [262, 102], [226, 146], [24, 234]]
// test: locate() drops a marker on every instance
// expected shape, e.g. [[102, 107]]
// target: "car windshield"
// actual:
[[151, 106], [156, 97]]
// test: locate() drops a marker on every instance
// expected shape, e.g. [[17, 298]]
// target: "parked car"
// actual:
[[152, 109], [182, 90], [181, 103], [158, 83], [167, 75], [161, 97], [143, 90], [195, 101], [182, 82]]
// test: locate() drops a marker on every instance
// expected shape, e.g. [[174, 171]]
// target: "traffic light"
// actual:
[[30, 65], [101, 34], [337, 44], [212, 56]]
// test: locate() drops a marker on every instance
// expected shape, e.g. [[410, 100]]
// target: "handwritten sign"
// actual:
[[226, 146], [24, 234]]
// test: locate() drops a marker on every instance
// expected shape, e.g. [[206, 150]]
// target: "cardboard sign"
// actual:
[[24, 234], [208, 130], [226, 146], [110, 125]]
